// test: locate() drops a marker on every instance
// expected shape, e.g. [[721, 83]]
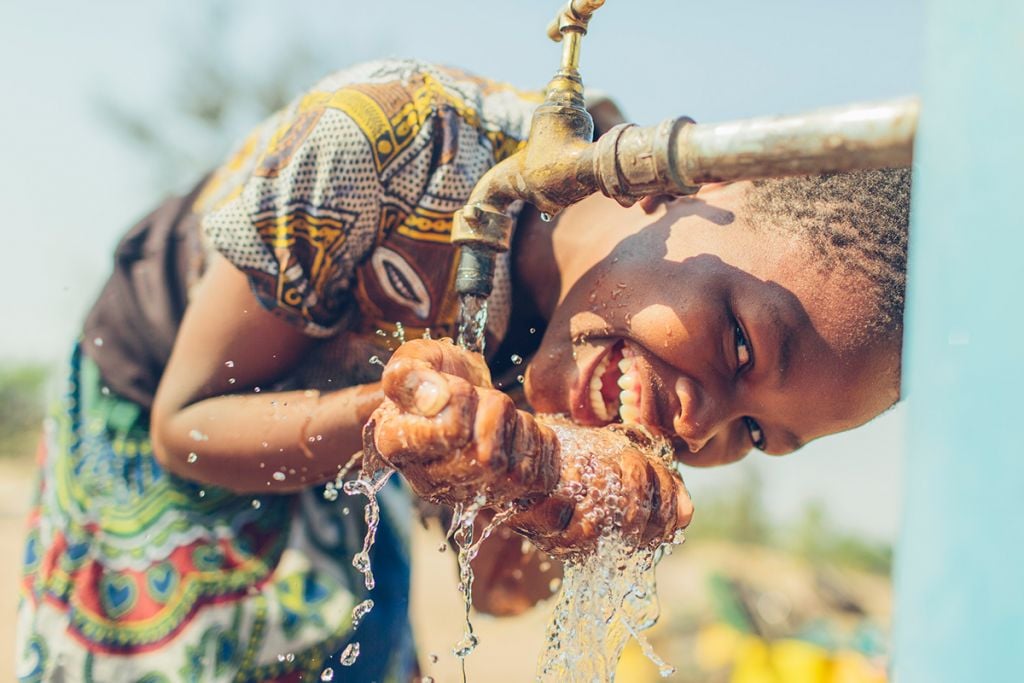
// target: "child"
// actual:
[[186, 526]]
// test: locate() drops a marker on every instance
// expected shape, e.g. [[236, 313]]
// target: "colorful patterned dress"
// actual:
[[338, 209]]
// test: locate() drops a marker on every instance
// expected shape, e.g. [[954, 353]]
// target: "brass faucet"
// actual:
[[559, 164]]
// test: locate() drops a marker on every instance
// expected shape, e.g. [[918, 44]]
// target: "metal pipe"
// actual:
[[678, 156], [840, 139], [576, 13]]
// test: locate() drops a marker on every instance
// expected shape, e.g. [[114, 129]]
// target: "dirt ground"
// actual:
[[15, 494]]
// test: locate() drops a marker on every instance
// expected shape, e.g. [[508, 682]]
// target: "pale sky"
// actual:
[[70, 185]]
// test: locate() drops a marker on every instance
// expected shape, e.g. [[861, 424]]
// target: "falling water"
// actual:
[[373, 476], [608, 593], [472, 322]]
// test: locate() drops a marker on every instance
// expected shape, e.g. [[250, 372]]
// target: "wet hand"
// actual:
[[607, 485], [453, 436]]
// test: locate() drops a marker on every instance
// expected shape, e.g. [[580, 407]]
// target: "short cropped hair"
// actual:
[[858, 220]]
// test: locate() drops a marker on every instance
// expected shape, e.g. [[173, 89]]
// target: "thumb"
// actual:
[[416, 388]]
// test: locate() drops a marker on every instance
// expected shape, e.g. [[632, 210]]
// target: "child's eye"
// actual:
[[742, 348], [756, 433]]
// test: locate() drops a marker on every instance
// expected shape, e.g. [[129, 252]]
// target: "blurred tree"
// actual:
[[21, 408], [736, 515], [216, 93]]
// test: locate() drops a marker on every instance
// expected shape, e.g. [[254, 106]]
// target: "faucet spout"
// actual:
[[553, 170]]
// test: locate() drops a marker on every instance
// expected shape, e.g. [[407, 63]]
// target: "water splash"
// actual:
[[349, 655], [369, 486], [608, 595], [461, 531], [360, 611]]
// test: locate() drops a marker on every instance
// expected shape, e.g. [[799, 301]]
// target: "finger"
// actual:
[[534, 456], [637, 486], [419, 389], [494, 431], [547, 518], [443, 356], [403, 436], [665, 506]]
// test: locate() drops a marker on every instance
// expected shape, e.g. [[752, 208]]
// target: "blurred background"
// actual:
[[109, 106]]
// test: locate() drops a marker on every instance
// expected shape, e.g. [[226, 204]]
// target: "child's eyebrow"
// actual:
[[783, 333]]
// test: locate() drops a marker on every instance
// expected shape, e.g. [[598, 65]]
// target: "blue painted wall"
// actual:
[[960, 562]]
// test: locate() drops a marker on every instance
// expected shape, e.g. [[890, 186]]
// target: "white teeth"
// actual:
[[629, 396], [597, 403]]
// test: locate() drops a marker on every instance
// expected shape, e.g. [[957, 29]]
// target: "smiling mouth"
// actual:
[[615, 386]]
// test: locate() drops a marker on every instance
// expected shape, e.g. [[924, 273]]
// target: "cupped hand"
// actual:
[[453, 436], [609, 486]]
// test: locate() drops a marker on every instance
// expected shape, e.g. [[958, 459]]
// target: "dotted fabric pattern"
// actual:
[[307, 196]]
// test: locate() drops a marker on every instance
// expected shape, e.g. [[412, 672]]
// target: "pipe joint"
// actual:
[[632, 162]]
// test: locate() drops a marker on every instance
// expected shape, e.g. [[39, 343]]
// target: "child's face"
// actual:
[[692, 324]]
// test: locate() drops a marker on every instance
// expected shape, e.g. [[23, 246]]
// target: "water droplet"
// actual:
[[375, 360], [330, 492], [231, 380], [350, 655], [517, 359], [360, 611], [192, 457], [381, 333], [105, 391], [427, 679], [98, 341], [198, 435], [202, 493], [443, 547], [229, 363], [327, 674], [280, 658], [345, 510], [257, 389], [545, 216], [554, 584], [465, 646], [520, 378], [433, 658], [256, 504], [290, 657], [279, 476], [533, 330]]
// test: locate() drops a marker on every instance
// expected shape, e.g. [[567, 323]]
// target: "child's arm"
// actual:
[[265, 442]]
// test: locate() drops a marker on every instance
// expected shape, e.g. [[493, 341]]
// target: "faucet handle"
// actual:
[[576, 14]]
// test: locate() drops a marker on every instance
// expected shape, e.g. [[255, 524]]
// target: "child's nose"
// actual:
[[698, 417]]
